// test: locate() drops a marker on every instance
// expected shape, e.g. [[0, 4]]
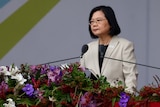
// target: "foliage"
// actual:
[[63, 86]]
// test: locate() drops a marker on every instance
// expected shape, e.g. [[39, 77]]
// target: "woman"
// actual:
[[104, 28]]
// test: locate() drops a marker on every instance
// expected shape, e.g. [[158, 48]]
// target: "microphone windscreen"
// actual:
[[84, 49]]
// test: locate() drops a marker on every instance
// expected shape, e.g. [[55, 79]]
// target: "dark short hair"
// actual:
[[110, 16]]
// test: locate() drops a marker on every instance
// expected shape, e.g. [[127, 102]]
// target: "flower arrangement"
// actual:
[[65, 86]]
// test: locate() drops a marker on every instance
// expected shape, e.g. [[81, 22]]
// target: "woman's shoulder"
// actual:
[[123, 40], [93, 42]]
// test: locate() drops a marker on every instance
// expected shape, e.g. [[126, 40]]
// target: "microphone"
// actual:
[[84, 50], [132, 63]]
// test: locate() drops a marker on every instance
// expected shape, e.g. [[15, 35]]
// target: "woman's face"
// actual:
[[99, 24]]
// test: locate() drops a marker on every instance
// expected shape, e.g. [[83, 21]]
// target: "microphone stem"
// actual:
[[60, 60], [134, 63]]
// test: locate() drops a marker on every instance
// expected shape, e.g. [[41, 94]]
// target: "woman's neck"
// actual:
[[105, 40]]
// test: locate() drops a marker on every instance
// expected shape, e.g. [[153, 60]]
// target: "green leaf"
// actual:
[[11, 82], [26, 101], [1, 103], [38, 74], [113, 101]]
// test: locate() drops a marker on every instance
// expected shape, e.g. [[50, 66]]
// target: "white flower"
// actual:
[[19, 78], [115, 83], [52, 99], [4, 70], [13, 69], [63, 66], [10, 103]]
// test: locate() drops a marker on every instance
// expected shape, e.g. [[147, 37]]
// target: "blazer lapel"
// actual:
[[95, 57], [112, 45]]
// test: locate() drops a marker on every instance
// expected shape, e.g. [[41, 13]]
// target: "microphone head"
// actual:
[[84, 49]]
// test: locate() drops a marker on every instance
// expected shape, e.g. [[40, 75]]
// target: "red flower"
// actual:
[[36, 83], [66, 89], [74, 98]]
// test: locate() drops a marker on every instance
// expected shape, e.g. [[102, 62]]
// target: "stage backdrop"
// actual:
[[40, 31]]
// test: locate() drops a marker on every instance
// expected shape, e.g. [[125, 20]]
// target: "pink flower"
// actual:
[[87, 100], [55, 75]]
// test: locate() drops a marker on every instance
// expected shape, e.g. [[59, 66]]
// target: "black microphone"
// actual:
[[84, 50], [132, 62]]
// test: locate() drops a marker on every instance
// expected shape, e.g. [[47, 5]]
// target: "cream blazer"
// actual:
[[113, 70]]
